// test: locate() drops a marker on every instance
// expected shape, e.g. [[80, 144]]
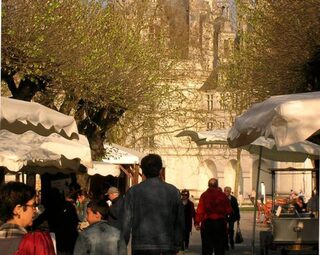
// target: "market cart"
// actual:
[[290, 231]]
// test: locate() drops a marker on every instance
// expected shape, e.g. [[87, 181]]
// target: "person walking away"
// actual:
[[211, 214], [17, 208], [189, 215], [116, 207], [99, 238], [233, 217], [153, 213]]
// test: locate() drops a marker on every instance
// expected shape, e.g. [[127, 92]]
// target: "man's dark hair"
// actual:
[[151, 165], [99, 206], [12, 194]]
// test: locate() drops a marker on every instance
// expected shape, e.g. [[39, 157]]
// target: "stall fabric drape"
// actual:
[[29, 148], [288, 119], [19, 116], [33, 136]]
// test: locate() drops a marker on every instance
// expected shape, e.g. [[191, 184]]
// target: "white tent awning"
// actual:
[[29, 148], [104, 169], [19, 116], [287, 118], [297, 152], [117, 154]]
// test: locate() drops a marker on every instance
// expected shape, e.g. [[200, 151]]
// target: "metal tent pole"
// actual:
[[255, 203], [273, 189]]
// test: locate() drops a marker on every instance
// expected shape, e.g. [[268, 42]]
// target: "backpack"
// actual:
[[36, 243]]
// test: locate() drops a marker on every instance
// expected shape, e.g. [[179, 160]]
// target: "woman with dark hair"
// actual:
[[17, 208], [189, 215]]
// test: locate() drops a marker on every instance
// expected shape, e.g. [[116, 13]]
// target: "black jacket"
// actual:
[[153, 211], [189, 215], [115, 212], [235, 215]]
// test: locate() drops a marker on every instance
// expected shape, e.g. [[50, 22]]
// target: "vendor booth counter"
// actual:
[[291, 234], [289, 231]]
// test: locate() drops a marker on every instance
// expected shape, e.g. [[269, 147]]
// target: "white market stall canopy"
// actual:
[[297, 152], [35, 138], [29, 148], [104, 169], [19, 116], [288, 119], [117, 154]]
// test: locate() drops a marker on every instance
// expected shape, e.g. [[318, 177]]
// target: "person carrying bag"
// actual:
[[239, 238]]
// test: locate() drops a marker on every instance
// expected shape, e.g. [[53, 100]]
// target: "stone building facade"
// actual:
[[205, 32]]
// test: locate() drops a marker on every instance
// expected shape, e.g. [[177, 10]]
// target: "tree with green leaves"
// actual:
[[279, 52], [91, 59], [276, 51]]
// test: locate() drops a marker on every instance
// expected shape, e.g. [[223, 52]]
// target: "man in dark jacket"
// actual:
[[153, 212], [116, 207], [232, 217]]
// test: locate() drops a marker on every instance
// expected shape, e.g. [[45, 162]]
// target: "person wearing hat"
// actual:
[[116, 207], [189, 215]]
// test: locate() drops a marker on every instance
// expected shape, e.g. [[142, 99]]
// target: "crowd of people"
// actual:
[[153, 214]]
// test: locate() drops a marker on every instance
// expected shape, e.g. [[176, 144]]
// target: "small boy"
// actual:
[[99, 237]]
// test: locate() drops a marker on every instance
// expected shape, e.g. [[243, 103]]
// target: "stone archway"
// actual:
[[207, 169], [211, 166], [230, 173]]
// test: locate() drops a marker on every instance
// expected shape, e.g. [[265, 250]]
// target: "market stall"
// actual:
[[289, 119]]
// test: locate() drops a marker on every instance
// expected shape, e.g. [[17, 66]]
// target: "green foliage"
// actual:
[[89, 59], [278, 39]]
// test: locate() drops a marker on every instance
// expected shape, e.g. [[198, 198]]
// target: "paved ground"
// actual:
[[246, 225], [244, 248]]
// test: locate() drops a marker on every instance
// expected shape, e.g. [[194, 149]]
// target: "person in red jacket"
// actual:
[[211, 218]]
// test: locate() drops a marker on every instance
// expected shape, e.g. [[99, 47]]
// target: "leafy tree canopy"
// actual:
[[279, 52], [89, 59]]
